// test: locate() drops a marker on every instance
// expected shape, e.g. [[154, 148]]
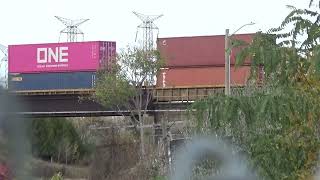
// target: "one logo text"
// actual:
[[50, 55]]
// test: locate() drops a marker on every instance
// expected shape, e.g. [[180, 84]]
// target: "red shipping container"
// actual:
[[197, 50], [201, 76], [60, 57]]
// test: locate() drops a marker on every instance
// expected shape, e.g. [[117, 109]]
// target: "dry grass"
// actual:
[[44, 169]]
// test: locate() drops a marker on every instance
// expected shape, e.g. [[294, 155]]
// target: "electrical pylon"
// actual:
[[72, 28], [4, 66], [147, 27]]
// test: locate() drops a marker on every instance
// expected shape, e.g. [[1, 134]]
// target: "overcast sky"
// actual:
[[32, 21]]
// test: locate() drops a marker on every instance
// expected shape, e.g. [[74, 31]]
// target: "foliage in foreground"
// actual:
[[277, 130], [276, 124]]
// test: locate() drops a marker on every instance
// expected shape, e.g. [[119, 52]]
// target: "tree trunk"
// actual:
[[59, 152], [141, 136], [66, 156], [141, 119], [166, 142]]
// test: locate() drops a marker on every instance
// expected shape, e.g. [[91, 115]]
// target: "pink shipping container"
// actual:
[[60, 57], [197, 51], [202, 77]]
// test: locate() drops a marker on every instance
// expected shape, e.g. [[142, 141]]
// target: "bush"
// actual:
[[119, 153], [57, 176], [57, 139]]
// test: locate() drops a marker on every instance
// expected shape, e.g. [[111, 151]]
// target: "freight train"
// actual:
[[189, 62]]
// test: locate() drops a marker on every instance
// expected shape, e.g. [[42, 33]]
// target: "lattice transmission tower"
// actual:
[[72, 28], [4, 66], [147, 27]]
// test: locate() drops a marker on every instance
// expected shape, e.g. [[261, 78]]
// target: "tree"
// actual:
[[128, 84], [275, 124], [57, 139]]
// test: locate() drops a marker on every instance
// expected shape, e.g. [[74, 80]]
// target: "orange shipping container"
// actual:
[[197, 51], [201, 76]]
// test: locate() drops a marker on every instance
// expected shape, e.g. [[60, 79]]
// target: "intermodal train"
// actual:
[[196, 61]]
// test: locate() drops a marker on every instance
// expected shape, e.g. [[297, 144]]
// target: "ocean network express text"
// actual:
[[52, 58]]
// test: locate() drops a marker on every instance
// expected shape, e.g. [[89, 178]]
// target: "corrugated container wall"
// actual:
[[60, 57], [197, 50], [201, 76], [51, 81]]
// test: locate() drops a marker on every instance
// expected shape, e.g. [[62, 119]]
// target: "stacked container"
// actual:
[[57, 66], [199, 61]]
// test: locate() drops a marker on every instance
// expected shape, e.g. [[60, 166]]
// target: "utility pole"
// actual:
[[227, 63], [227, 58]]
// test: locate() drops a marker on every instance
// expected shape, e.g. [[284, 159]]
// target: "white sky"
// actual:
[[32, 21]]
